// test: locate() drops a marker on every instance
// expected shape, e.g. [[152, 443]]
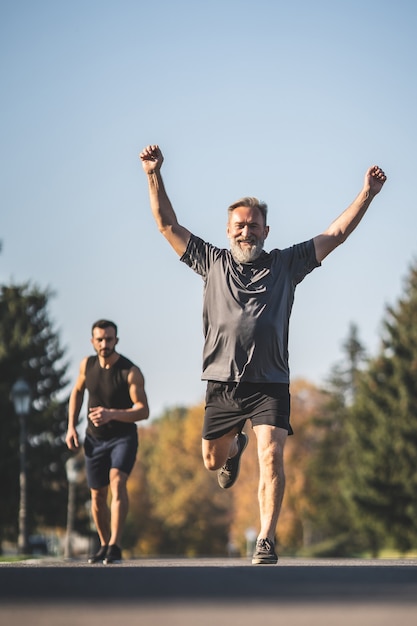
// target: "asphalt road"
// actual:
[[210, 592]]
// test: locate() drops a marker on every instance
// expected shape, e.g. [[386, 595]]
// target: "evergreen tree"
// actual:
[[332, 523], [29, 349], [384, 432]]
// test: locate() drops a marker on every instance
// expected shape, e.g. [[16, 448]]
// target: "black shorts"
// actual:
[[101, 455], [230, 404]]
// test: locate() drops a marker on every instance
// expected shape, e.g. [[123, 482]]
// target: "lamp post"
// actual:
[[22, 398], [250, 535], [73, 468]]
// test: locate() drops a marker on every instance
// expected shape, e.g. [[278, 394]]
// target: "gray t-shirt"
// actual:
[[247, 308]]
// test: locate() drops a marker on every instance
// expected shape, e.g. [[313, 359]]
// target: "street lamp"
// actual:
[[73, 468], [22, 399]]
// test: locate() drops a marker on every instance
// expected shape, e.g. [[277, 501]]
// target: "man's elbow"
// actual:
[[142, 412], [326, 243], [339, 238]]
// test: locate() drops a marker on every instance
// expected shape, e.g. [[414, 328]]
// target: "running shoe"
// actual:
[[228, 474], [98, 556], [113, 555], [264, 553]]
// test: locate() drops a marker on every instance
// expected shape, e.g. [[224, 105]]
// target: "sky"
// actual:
[[287, 101]]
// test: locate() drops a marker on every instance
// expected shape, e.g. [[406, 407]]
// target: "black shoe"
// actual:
[[113, 555], [264, 553], [98, 556], [228, 474]]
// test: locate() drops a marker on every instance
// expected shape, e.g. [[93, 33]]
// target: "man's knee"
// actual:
[[271, 443], [217, 451], [99, 497], [214, 455], [118, 481], [210, 461]]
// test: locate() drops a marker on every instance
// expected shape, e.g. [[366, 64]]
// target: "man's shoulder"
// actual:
[[195, 243], [125, 363], [89, 361], [200, 255], [302, 249]]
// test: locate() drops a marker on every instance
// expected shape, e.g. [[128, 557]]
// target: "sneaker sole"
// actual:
[[264, 561], [92, 560]]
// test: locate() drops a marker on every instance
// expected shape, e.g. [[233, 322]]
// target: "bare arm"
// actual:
[[161, 206], [139, 411], [74, 408], [346, 223]]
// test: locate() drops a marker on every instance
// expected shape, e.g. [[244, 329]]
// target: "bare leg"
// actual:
[[101, 513], [217, 451], [271, 441], [119, 505]]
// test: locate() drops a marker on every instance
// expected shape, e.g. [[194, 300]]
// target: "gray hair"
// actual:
[[251, 203]]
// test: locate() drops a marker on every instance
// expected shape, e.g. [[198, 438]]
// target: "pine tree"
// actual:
[[384, 432], [332, 523], [29, 349]]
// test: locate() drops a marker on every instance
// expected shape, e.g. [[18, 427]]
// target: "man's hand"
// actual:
[[374, 180], [71, 439], [99, 415], [151, 158]]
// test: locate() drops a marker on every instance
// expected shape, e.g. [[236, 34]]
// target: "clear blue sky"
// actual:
[[287, 101]]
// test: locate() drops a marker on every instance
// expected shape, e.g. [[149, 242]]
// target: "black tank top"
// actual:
[[109, 388]]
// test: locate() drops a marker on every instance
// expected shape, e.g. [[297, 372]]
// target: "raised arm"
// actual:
[[346, 223], [161, 206]]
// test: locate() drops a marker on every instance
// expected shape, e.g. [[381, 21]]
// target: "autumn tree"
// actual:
[[299, 507], [189, 511], [243, 498], [293, 528]]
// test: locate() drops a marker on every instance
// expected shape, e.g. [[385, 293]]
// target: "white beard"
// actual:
[[246, 255]]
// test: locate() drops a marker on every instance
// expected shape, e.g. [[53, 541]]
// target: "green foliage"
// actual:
[[351, 479], [29, 348], [384, 432], [330, 520]]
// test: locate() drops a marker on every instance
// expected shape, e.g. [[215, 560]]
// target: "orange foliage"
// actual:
[[306, 400], [175, 487], [178, 502]]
